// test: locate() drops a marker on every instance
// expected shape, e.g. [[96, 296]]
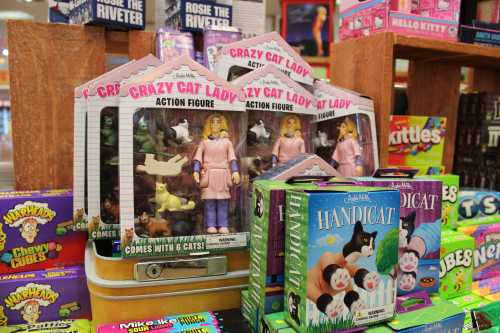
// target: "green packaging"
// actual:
[[449, 205], [486, 318], [456, 264], [275, 323]]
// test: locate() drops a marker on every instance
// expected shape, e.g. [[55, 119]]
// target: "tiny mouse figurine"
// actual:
[[215, 170]]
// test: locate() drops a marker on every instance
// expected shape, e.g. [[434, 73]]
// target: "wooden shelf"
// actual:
[[367, 65], [317, 60]]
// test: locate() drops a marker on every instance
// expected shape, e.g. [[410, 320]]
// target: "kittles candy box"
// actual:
[[58, 326], [456, 265], [341, 249], [477, 207], [207, 322], [437, 19], [449, 204], [345, 133], [487, 250], [420, 235], [32, 297], [36, 231], [416, 141]]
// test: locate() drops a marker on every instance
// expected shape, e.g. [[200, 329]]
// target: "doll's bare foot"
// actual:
[[223, 230], [212, 230]]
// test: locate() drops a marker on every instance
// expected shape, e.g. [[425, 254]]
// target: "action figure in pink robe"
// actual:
[[347, 155], [216, 170], [290, 142]]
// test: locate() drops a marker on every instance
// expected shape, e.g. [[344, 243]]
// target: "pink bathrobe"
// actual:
[[345, 155], [287, 148], [215, 157]]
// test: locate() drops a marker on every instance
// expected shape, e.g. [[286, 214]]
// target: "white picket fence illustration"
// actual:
[[383, 295]]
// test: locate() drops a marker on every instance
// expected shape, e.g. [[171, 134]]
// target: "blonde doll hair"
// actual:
[[284, 121], [351, 129], [207, 128]]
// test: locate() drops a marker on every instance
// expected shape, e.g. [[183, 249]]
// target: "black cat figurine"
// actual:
[[293, 306]]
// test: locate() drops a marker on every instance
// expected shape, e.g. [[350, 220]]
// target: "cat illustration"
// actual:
[[94, 223], [259, 204], [169, 202], [407, 227], [127, 237], [293, 306], [407, 281], [362, 244], [408, 261]]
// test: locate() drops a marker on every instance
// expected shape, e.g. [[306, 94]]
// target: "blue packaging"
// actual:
[[478, 207], [196, 15], [118, 14]]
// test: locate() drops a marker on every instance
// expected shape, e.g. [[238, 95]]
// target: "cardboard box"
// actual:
[[486, 287], [449, 204], [181, 134], [341, 246], [417, 142], [36, 231], [456, 265], [425, 18], [39, 296], [241, 57], [126, 15], [345, 133], [275, 323], [478, 207], [420, 235], [487, 250], [59, 326], [102, 147], [195, 15]]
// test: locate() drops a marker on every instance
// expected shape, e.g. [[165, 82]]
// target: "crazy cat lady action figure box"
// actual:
[[80, 151], [345, 133], [238, 58], [181, 137], [340, 243], [102, 148]]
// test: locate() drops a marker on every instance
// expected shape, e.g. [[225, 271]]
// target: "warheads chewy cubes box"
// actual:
[[456, 265], [341, 247], [420, 234], [32, 297], [36, 231]]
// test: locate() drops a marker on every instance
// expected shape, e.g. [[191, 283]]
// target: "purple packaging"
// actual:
[[417, 267], [213, 39], [37, 231], [38, 296], [171, 44]]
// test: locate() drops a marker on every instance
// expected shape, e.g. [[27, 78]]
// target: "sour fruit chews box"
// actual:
[[341, 248], [487, 250], [417, 141], [456, 264], [58, 326], [32, 297], [449, 204], [36, 231], [420, 234]]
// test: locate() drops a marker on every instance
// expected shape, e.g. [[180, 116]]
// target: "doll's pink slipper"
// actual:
[[212, 230], [223, 230]]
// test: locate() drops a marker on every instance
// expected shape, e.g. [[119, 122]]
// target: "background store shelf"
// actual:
[[366, 65]]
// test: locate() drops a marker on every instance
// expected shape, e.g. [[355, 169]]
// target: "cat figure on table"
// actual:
[[347, 157], [215, 169], [290, 143]]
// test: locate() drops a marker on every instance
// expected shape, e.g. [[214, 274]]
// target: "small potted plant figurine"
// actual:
[[290, 142], [215, 169], [346, 157]]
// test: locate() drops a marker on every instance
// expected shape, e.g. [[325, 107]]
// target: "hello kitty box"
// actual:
[[436, 19], [340, 251]]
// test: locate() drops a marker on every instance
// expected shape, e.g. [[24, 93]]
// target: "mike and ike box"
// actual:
[[341, 251]]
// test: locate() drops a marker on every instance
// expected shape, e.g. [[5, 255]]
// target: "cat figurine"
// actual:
[[407, 227], [169, 202]]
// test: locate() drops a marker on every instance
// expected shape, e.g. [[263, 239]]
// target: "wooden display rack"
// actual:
[[366, 65], [46, 63]]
